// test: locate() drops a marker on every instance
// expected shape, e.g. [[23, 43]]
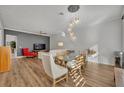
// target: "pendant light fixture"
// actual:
[[72, 24]]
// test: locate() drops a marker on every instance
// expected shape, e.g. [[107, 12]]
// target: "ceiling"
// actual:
[[47, 18]]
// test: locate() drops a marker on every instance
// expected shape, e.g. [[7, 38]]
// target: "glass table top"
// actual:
[[71, 56]]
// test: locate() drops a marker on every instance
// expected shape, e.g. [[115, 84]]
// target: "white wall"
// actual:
[[123, 30], [1, 34], [110, 41], [106, 35]]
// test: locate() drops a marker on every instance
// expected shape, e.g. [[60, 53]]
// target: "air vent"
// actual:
[[73, 8]]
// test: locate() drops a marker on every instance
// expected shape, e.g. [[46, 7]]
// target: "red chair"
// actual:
[[27, 53]]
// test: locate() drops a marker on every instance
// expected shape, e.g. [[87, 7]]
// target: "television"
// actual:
[[38, 46]]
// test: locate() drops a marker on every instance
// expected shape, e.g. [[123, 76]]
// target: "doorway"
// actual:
[[11, 41]]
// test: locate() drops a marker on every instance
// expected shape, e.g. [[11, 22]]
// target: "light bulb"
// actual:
[[71, 33], [76, 20], [63, 34], [70, 25], [74, 38], [69, 29]]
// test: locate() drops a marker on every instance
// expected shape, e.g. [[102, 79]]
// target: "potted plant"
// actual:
[[13, 45]]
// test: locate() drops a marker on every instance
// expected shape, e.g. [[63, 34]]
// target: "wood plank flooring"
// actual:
[[119, 77], [28, 72]]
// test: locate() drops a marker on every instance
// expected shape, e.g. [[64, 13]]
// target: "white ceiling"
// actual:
[[46, 18]]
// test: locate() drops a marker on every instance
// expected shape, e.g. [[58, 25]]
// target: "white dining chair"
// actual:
[[56, 72]]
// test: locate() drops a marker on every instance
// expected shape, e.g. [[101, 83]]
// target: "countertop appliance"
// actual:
[[119, 59]]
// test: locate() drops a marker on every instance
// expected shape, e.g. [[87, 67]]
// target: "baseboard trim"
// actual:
[[20, 57]]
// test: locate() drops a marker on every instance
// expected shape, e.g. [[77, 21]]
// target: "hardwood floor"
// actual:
[[28, 72], [119, 77]]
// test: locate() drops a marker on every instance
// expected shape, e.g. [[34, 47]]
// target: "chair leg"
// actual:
[[84, 69], [54, 82], [80, 71], [67, 77]]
